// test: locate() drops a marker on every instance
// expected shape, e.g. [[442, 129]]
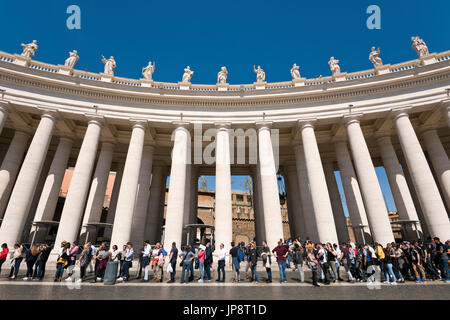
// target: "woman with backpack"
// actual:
[[30, 259], [298, 260]]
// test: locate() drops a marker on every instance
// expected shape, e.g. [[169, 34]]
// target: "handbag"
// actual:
[[169, 268]]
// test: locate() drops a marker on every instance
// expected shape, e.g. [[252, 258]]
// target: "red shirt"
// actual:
[[280, 252], [4, 253]]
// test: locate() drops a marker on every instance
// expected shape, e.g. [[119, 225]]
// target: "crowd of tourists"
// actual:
[[408, 261]]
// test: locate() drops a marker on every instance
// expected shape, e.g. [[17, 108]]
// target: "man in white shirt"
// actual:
[[323, 262], [146, 258], [221, 253]]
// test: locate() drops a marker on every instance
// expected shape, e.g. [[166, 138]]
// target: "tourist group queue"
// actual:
[[416, 261]]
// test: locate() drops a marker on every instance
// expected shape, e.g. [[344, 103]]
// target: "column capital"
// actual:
[[182, 124], [5, 106], [400, 112], [110, 144], [222, 125], [351, 118], [306, 123], [339, 138], [264, 125], [149, 147], [139, 123], [446, 104], [49, 113], [95, 118], [425, 130], [66, 137]]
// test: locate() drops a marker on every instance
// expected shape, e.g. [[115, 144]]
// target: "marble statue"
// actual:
[[295, 73], [334, 66], [374, 57], [260, 74], [187, 75], [148, 71], [222, 75], [29, 49], [420, 47], [110, 65], [72, 59]]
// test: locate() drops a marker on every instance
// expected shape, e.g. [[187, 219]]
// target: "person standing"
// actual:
[[72, 259], [128, 262], [62, 261], [388, 265], [159, 269], [222, 253], [442, 257], [253, 258], [83, 261], [3, 255], [103, 257], [281, 253], [142, 263], [331, 259], [267, 261], [344, 258], [312, 263], [122, 260], [234, 261], [201, 261], [145, 258], [187, 257], [322, 258], [208, 261], [297, 257], [173, 261], [31, 258]]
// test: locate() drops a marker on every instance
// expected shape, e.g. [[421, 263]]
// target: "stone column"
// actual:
[[427, 191], [10, 166], [114, 197], [69, 225], [371, 191], [187, 205], [399, 187], [439, 160], [175, 202], [290, 208], [223, 210], [336, 202], [446, 110], [25, 186], [194, 195], [154, 205], [126, 203], [305, 195], [143, 194], [3, 114], [269, 186], [317, 183], [96, 198], [353, 197], [295, 204], [162, 208], [260, 230], [52, 186]]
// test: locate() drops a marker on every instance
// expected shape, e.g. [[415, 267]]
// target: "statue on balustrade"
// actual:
[[260, 74], [29, 49], [334, 66], [295, 73], [72, 59], [188, 73], [222, 75], [374, 57], [420, 47], [148, 71], [110, 65]]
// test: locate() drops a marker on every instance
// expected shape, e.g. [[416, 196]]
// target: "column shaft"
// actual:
[[126, 202], [72, 213], [373, 197], [114, 197], [3, 115], [269, 188], [319, 191], [25, 186], [175, 202], [96, 198], [427, 191], [10, 167], [295, 205], [154, 205]]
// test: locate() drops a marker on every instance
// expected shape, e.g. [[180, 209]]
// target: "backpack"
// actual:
[[241, 255]]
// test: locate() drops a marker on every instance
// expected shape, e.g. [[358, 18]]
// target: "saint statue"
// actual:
[[334, 65], [260, 74], [374, 57], [420, 47], [72, 59], [222, 75], [295, 73], [187, 75], [110, 65], [148, 71], [29, 49]]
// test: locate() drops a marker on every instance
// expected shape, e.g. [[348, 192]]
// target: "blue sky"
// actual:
[[238, 34]]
